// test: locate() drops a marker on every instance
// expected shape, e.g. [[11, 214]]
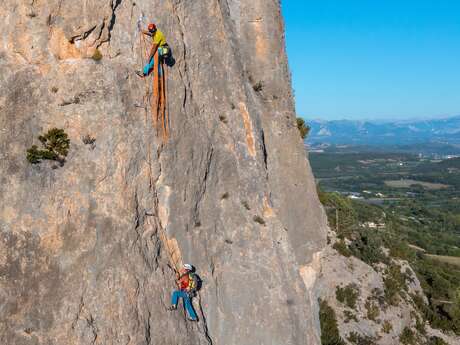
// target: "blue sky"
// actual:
[[374, 59]]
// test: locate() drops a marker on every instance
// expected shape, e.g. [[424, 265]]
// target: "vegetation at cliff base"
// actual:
[[329, 329], [440, 282], [55, 147], [395, 283], [407, 337]]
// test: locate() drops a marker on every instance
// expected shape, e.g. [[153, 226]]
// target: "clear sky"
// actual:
[[374, 59]]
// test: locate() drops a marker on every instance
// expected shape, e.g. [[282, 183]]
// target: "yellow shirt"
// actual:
[[159, 38]]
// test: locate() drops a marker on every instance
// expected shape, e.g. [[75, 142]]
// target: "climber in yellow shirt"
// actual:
[[158, 43]]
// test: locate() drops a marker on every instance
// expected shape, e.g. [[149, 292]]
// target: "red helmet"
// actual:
[[152, 27]]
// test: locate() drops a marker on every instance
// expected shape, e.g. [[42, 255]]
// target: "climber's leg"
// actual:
[[160, 61], [175, 298], [148, 68], [189, 307]]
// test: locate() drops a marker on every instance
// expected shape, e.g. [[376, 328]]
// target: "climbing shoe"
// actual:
[[190, 319], [173, 307], [140, 74]]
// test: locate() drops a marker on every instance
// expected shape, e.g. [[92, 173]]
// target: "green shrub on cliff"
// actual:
[[347, 295], [407, 337], [372, 310], [329, 329], [55, 147], [395, 283], [360, 339], [97, 55], [436, 341], [342, 248], [303, 128]]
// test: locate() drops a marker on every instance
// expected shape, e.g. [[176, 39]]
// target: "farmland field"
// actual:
[[453, 260], [407, 183]]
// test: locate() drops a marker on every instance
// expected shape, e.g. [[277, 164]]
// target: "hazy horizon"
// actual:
[[389, 119]]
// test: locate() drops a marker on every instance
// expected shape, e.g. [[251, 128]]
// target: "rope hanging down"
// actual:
[[157, 99]]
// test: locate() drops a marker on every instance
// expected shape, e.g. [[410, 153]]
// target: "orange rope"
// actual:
[[162, 101], [155, 103], [166, 102], [158, 105]]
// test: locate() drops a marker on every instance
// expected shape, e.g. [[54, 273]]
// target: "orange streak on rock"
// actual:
[[268, 210], [261, 41], [249, 131], [60, 46]]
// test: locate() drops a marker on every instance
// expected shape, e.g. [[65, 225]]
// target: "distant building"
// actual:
[[373, 225]]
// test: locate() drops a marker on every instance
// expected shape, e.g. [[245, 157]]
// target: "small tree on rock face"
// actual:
[[56, 145], [303, 128]]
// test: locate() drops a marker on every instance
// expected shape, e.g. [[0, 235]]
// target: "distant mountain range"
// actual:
[[374, 133]]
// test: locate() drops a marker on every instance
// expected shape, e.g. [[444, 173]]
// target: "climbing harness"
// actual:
[[158, 98]]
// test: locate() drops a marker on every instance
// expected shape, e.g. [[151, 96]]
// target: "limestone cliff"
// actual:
[[87, 249]]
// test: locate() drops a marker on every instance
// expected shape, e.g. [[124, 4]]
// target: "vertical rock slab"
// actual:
[[87, 250]]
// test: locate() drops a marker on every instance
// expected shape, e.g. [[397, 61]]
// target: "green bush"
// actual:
[[440, 284], [341, 208], [359, 339], [303, 128], [407, 337], [97, 55], [387, 327], [373, 310], [367, 246], [55, 147], [342, 248], [347, 295], [329, 329], [258, 87], [419, 322], [399, 249], [395, 284], [435, 341]]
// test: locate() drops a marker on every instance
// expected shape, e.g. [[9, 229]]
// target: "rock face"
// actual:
[[87, 250]]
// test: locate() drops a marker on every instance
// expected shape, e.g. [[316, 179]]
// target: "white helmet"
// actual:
[[188, 267]]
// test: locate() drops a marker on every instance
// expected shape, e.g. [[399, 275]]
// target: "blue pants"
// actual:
[[149, 67], [187, 302]]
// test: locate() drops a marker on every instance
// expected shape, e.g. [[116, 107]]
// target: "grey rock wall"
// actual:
[[87, 249]]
